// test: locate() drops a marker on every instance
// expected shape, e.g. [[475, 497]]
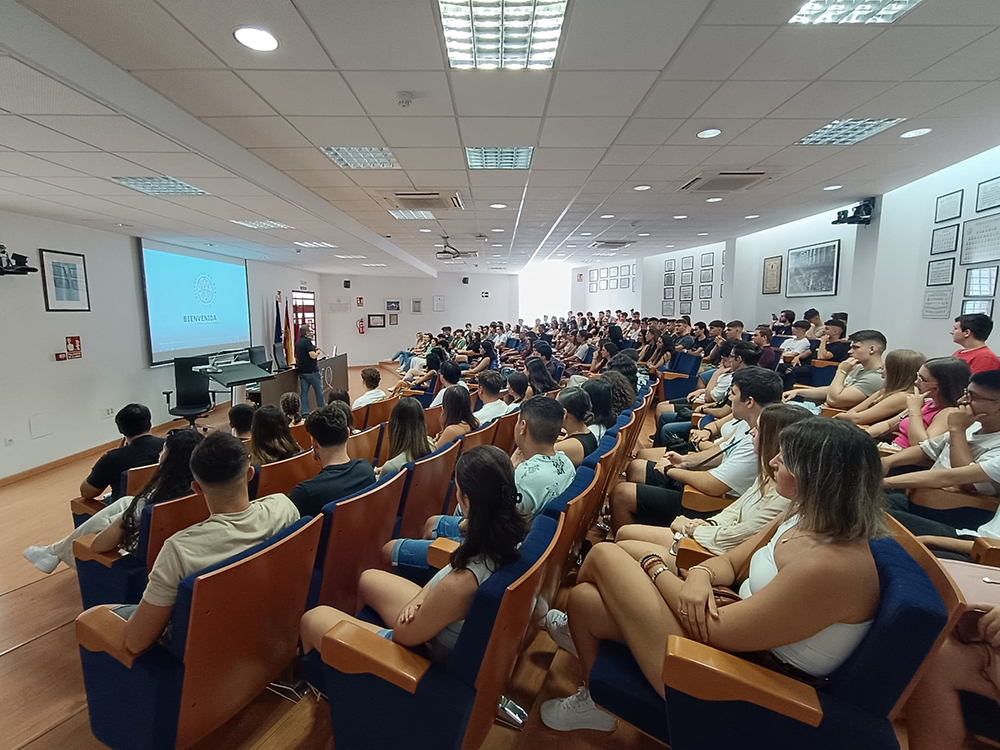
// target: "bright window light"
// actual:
[[510, 34], [853, 11], [848, 131], [423, 215], [159, 186], [498, 157], [352, 157], [260, 224], [256, 39]]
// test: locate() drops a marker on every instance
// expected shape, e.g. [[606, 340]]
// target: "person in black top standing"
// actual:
[[306, 354], [138, 448]]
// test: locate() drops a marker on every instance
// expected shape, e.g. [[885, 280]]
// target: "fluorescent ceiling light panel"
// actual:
[[260, 224], [354, 157], [512, 34], [373, 265], [422, 215], [605, 255], [498, 157], [351, 257], [315, 244], [853, 11], [159, 186], [848, 131]]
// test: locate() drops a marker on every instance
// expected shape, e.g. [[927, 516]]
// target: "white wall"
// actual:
[[463, 303], [264, 280], [584, 300], [652, 279]]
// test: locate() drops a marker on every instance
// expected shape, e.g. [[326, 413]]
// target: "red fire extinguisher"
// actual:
[[361, 325]]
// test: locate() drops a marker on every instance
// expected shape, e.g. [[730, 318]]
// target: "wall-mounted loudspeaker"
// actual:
[[347, 283], [465, 279]]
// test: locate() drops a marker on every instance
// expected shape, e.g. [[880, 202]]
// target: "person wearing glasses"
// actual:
[[967, 456]]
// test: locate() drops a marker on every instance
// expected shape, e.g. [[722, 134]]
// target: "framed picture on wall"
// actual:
[[948, 206], [705, 291], [64, 281], [667, 308], [687, 277], [623, 282], [624, 270], [593, 274], [592, 287], [687, 293], [944, 240], [613, 272], [669, 279], [668, 264], [687, 263], [988, 195], [603, 272], [705, 305], [813, 270], [602, 284], [937, 303], [437, 302], [394, 319], [612, 283], [980, 282], [376, 321], [685, 308], [941, 272], [392, 305], [416, 306], [707, 275], [707, 259], [668, 293], [771, 283], [980, 240], [973, 306]]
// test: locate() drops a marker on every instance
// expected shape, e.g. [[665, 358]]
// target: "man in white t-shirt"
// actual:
[[490, 385], [653, 493], [451, 374], [541, 473], [371, 377], [798, 344], [221, 470]]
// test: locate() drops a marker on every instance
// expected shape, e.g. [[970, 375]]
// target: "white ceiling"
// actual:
[[634, 81]]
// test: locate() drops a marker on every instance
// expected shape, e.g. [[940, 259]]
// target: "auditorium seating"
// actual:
[[365, 444], [679, 378], [426, 491], [379, 412], [133, 480], [235, 627], [359, 416], [963, 510], [482, 436], [701, 502], [823, 372], [432, 418], [300, 435], [281, 476], [504, 437]]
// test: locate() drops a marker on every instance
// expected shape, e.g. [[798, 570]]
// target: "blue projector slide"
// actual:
[[195, 304]]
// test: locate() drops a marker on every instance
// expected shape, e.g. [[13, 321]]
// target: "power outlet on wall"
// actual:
[[107, 412], [8, 442]]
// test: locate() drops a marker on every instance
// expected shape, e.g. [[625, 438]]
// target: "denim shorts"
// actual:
[[412, 553], [385, 633]]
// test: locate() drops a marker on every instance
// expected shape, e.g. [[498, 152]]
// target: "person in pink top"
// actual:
[[941, 382], [970, 332]]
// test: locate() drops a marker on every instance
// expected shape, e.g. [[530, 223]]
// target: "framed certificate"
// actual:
[[687, 293], [705, 291], [705, 305], [667, 308], [612, 283], [941, 272], [669, 279], [623, 282], [668, 264], [613, 272], [687, 277], [604, 273], [687, 263], [685, 308], [948, 206], [981, 282], [981, 240], [707, 259], [602, 284], [592, 287], [944, 240], [593, 274], [937, 303], [772, 275], [668, 293], [624, 270], [707, 275], [988, 195]]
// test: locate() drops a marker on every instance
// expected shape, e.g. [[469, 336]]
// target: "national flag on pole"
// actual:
[[277, 323], [289, 348]]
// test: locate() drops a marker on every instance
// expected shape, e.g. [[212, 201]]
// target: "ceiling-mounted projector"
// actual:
[[450, 252]]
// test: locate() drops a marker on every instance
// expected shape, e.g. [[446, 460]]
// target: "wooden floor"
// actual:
[[42, 699]]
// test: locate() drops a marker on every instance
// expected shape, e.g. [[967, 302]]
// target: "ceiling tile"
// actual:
[[913, 98], [378, 92], [206, 93], [489, 93], [295, 158], [258, 132], [430, 158], [713, 53], [499, 131], [338, 131], [178, 165], [566, 158], [805, 52], [749, 98], [27, 186], [966, 12], [438, 178], [741, 157], [318, 178], [498, 178], [23, 135], [558, 177], [110, 133], [904, 51], [687, 134], [676, 98], [380, 178], [681, 155], [657, 173], [980, 61], [580, 131], [39, 165], [592, 93], [830, 99], [25, 91], [418, 131], [90, 185], [742, 13], [607, 172], [226, 186], [775, 132], [98, 164], [647, 131], [626, 155], [801, 155], [303, 92], [982, 102]]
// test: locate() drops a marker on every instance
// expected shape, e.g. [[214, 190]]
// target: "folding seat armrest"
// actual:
[[946, 499], [708, 674], [101, 630], [81, 507], [829, 411], [800, 387], [986, 551], [690, 553], [349, 648], [82, 551], [693, 499], [439, 553], [670, 375]]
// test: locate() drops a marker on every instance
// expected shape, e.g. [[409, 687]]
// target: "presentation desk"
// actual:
[[332, 369]]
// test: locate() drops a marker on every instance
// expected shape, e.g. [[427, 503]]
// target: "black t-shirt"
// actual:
[[302, 348], [839, 350], [780, 330], [333, 483], [107, 472], [588, 440]]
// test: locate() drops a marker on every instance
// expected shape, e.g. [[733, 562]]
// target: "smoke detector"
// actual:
[[404, 99]]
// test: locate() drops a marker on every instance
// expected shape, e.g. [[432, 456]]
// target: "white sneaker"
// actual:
[[556, 624], [576, 712], [42, 558]]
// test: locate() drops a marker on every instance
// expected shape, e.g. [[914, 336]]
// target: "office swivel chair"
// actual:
[[194, 398], [280, 362]]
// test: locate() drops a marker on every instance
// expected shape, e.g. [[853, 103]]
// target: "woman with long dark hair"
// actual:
[[622, 391], [579, 442], [602, 407], [434, 615], [456, 415], [517, 387], [539, 379], [603, 355], [662, 353], [408, 439], [117, 525], [270, 438]]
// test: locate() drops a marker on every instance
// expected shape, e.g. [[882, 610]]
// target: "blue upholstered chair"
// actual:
[[715, 699], [382, 695], [823, 372], [235, 627], [680, 377], [426, 490]]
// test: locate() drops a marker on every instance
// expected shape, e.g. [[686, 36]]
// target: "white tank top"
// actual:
[[820, 654]]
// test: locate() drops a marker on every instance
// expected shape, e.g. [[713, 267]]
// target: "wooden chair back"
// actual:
[[281, 476], [590, 504], [432, 418], [359, 528], [243, 630], [627, 436], [504, 646], [482, 436], [608, 464], [379, 411], [359, 417], [427, 491], [473, 397], [166, 519], [946, 500], [504, 437], [138, 477], [383, 446], [300, 436], [364, 444]]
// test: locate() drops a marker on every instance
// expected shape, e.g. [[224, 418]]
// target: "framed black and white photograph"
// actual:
[[668, 293], [392, 305], [687, 277], [686, 293], [772, 275], [623, 282], [687, 263], [64, 281], [376, 321], [667, 308], [941, 272], [612, 283], [944, 240], [981, 282], [980, 240], [603, 283], [988, 195], [394, 319], [416, 306], [685, 308], [707, 259], [668, 264], [948, 206], [707, 275], [973, 306], [705, 291], [593, 274], [669, 279], [603, 273], [625, 271], [613, 272], [592, 287], [705, 305], [813, 270]]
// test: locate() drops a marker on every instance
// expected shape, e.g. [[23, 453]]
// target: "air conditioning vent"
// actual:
[[734, 181], [609, 244], [421, 200]]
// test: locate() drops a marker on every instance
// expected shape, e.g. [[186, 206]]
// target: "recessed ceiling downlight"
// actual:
[[256, 39], [640, 188], [710, 133], [916, 133], [833, 187], [713, 200]]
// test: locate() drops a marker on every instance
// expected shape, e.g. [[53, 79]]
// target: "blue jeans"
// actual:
[[404, 358], [307, 379]]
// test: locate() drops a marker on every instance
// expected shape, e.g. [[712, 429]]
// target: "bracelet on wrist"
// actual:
[[653, 576], [645, 561], [711, 573], [651, 560]]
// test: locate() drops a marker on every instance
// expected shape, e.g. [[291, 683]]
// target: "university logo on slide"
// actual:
[[204, 289]]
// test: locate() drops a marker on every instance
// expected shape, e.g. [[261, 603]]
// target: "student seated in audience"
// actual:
[[717, 333], [795, 346], [117, 524], [817, 569], [683, 340], [138, 448], [783, 325], [451, 375], [540, 381], [579, 442], [434, 615], [603, 355], [221, 470], [487, 360], [517, 388], [970, 333], [270, 438], [624, 363], [816, 324], [341, 475], [403, 356], [601, 406], [652, 494], [241, 420], [901, 368], [622, 390], [541, 470], [941, 383], [371, 377], [408, 440], [832, 346], [969, 661], [544, 351], [338, 394], [756, 507], [761, 336], [647, 348], [291, 406], [456, 416], [423, 371], [857, 377], [490, 385]]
